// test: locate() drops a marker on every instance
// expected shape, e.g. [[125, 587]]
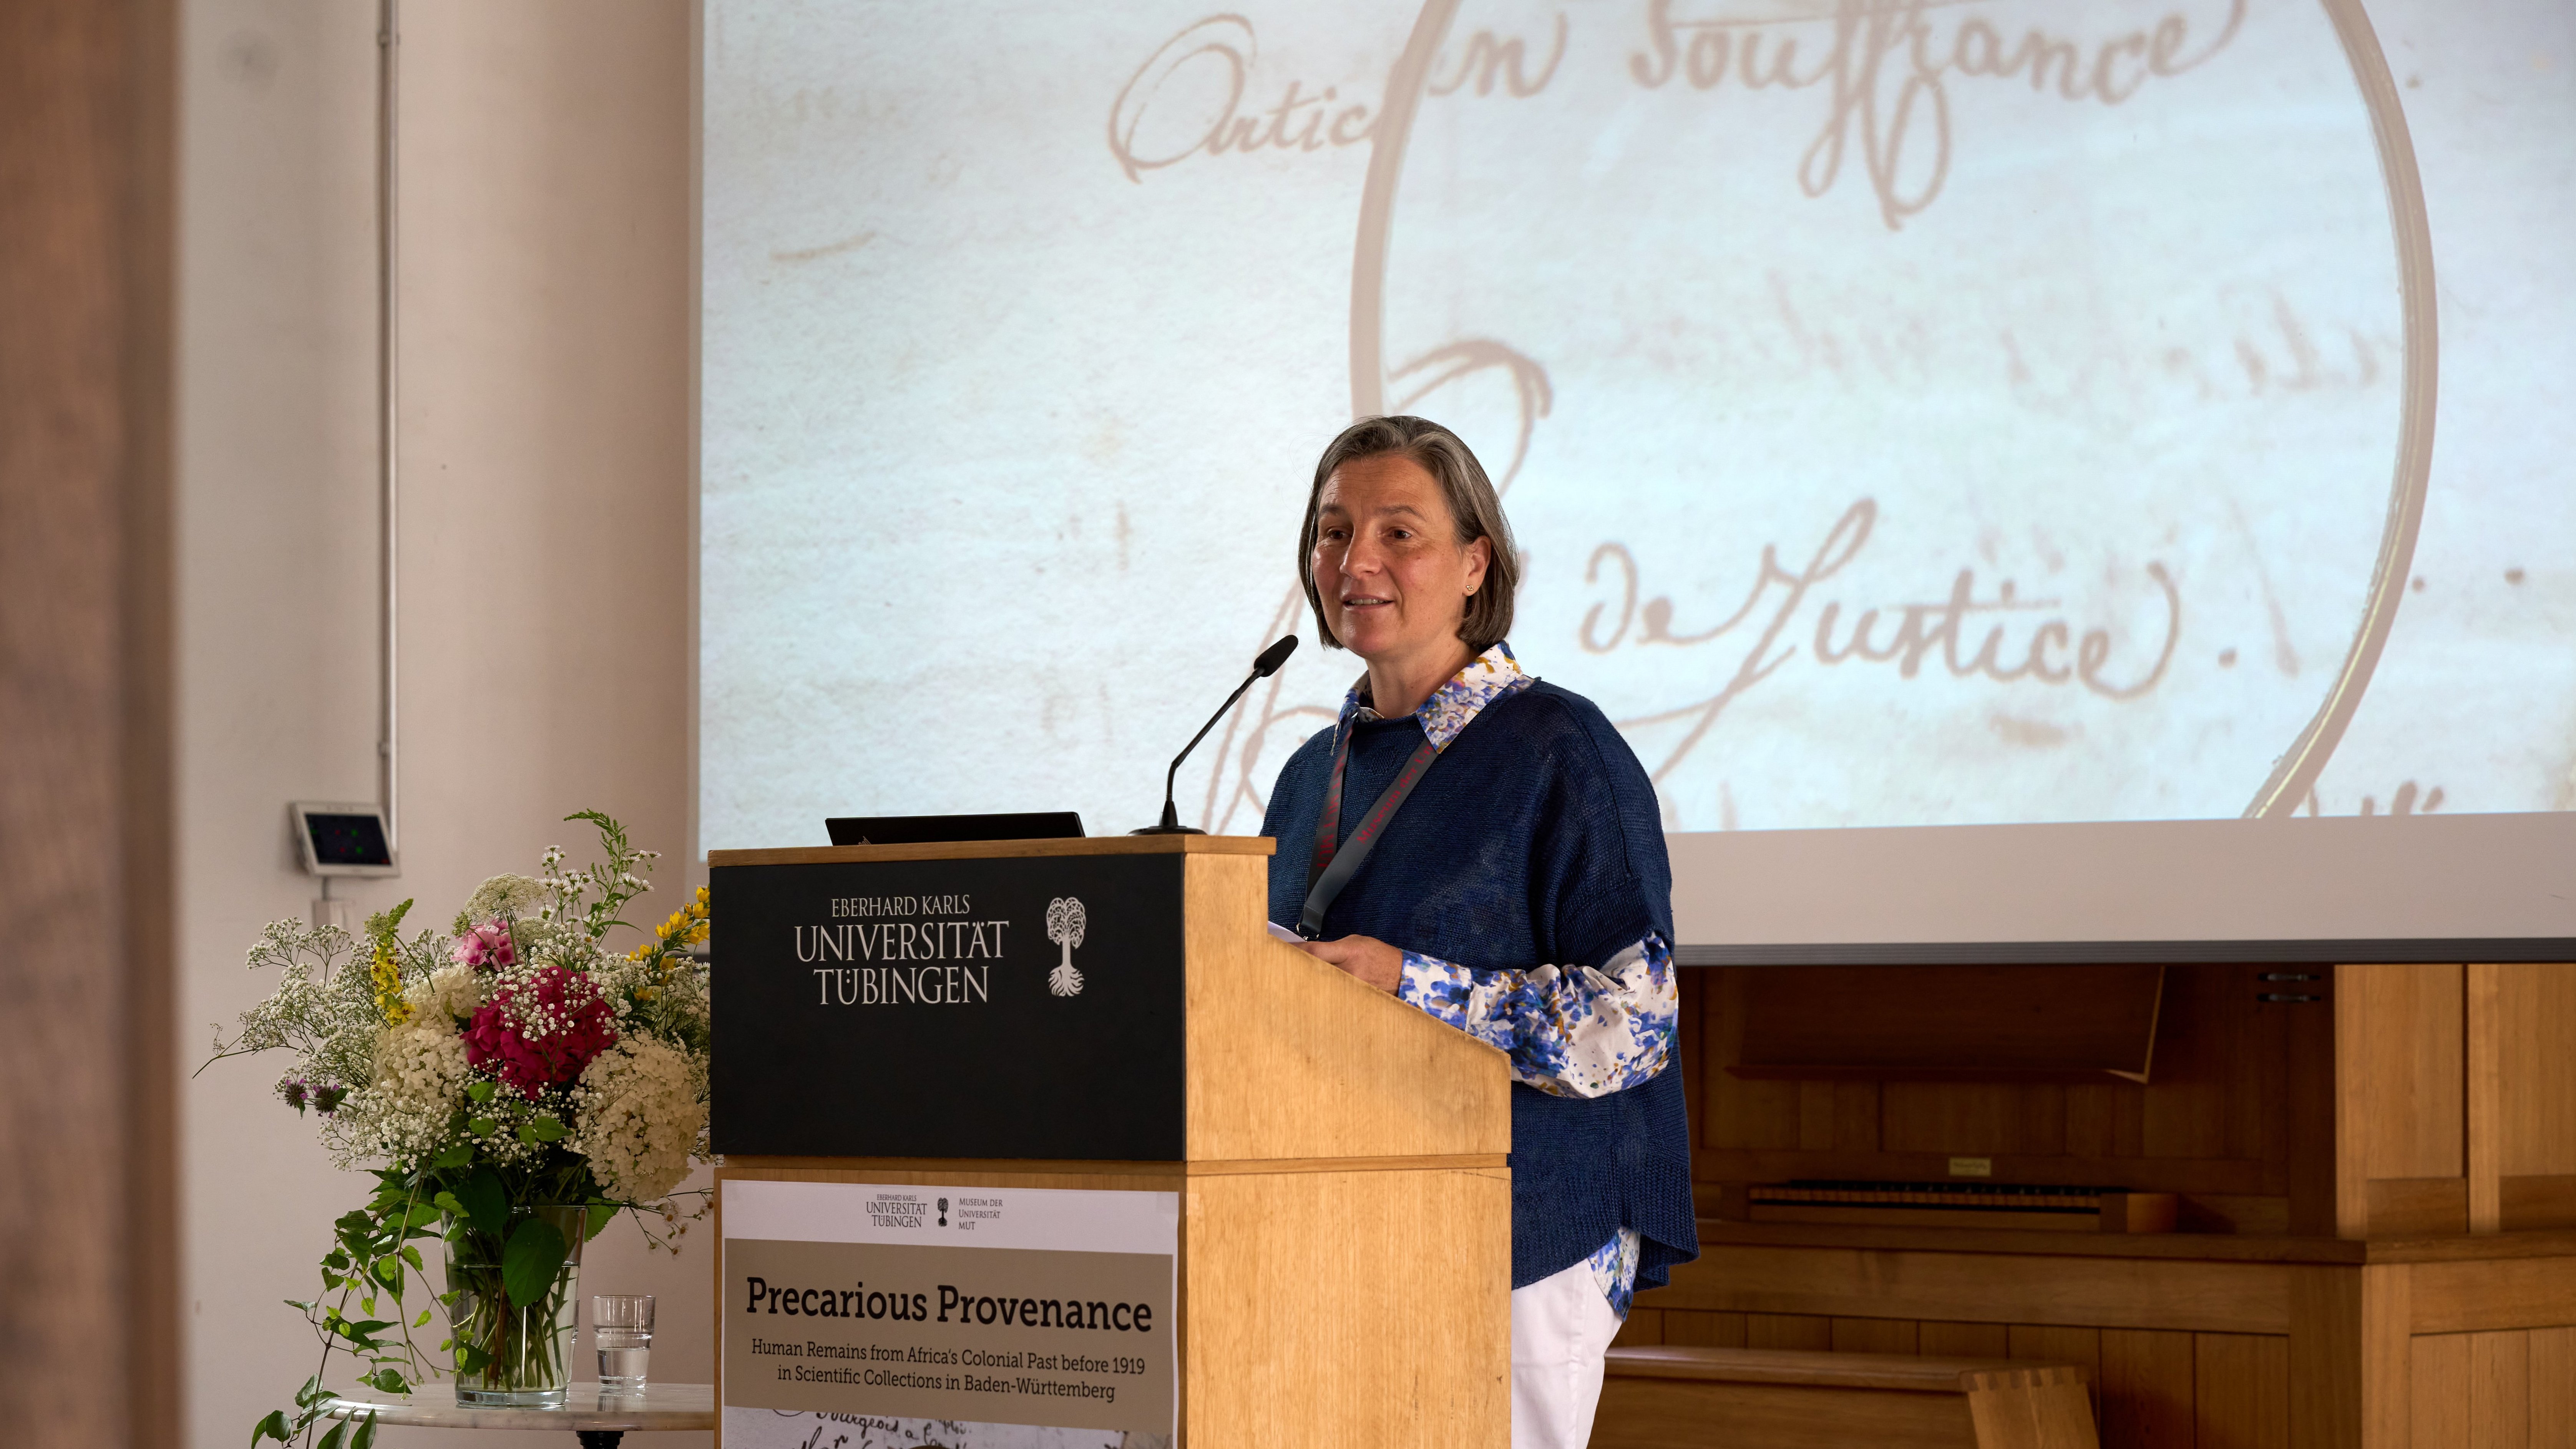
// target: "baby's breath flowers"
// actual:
[[517, 1062]]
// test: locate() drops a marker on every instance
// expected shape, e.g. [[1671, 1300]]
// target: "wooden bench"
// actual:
[[1753, 1398]]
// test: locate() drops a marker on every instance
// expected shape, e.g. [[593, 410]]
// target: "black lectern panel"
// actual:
[[1026, 1006]]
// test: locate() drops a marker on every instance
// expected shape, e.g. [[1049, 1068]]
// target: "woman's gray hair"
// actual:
[[1472, 502]]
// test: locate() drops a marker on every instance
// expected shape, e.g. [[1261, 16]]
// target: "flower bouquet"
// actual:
[[520, 1082]]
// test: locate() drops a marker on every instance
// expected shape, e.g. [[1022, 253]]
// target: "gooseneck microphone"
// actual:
[[1262, 668]]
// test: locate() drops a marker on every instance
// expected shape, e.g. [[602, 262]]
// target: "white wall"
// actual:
[[545, 543]]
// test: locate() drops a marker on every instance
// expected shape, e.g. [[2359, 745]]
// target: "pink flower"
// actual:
[[487, 945], [541, 1031]]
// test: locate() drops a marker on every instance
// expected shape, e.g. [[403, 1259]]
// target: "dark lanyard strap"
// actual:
[[1332, 868]]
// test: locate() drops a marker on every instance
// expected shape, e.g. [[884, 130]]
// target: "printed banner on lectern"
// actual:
[[866, 1314]]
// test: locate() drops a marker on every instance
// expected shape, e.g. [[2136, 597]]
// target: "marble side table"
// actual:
[[599, 1417]]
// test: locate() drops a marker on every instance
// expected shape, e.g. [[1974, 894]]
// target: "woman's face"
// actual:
[[1388, 566]]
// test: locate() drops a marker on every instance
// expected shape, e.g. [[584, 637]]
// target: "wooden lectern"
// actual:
[[1111, 1015]]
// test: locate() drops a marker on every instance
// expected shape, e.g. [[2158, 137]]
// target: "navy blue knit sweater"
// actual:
[[1533, 840]]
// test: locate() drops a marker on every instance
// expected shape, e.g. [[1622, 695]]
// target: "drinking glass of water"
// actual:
[[622, 1325]]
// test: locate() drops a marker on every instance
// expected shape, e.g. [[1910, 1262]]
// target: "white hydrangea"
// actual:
[[403, 1110], [451, 994], [640, 1118]]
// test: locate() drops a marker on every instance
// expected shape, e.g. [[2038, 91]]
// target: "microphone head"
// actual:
[[1274, 656]]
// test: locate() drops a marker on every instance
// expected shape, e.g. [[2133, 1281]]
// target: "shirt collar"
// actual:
[[1489, 676]]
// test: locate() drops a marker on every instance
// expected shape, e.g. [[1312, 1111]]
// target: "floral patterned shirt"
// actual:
[[1571, 1030]]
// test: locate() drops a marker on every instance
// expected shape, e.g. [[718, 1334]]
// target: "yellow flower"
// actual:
[[387, 979]]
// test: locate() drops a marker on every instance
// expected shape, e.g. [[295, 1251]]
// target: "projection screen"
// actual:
[[2029, 480]]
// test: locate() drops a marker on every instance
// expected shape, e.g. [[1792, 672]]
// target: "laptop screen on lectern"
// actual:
[[930, 829]]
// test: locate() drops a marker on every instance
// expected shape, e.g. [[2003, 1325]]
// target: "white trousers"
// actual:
[[1561, 1326]]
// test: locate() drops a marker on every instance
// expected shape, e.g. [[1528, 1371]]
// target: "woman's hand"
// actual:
[[1366, 957]]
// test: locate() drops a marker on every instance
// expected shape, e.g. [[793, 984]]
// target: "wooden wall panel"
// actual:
[[1644, 1328], [2553, 1388], [2240, 1391], [2536, 1056], [2499, 1390], [1876, 1335], [2487, 1294], [1738, 1114], [2146, 1389], [2058, 1345], [2186, 1105], [1965, 1340], [1980, 1119], [1993, 1287], [2382, 1364], [2502, 1390], [2415, 1207], [2211, 1122], [2536, 1202], [2438, 1405], [1789, 1330], [2481, 993], [1706, 1330], [2401, 1078]]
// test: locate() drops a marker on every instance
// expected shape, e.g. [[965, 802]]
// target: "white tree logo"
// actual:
[[1064, 922]]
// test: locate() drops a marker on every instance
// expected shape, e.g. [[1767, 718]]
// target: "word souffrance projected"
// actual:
[[1985, 412]]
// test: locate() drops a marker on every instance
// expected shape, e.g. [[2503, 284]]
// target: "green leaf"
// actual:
[[455, 1154], [411, 1255], [339, 1432], [486, 1201], [531, 1259], [419, 1213], [527, 1135], [366, 1436], [480, 1092], [481, 1126], [601, 1215], [389, 1381], [272, 1427], [547, 1129], [422, 1321], [446, 1202]]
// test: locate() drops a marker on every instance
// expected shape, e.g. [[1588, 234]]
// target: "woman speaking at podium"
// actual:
[[1486, 847]]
